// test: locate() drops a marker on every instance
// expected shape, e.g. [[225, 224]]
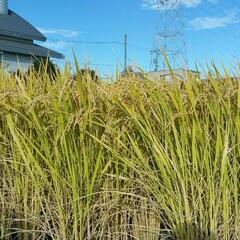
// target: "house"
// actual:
[[168, 75], [17, 46], [162, 75]]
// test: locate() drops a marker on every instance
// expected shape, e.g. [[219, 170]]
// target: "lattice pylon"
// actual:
[[169, 37]]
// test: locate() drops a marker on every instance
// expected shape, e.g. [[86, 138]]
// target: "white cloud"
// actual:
[[212, 1], [213, 22], [157, 4], [191, 3], [60, 32], [57, 45]]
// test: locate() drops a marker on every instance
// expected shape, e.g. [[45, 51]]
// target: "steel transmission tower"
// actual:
[[169, 36]]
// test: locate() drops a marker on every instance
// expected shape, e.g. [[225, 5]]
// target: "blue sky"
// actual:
[[212, 29]]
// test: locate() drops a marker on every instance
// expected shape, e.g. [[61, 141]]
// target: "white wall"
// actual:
[[12, 62], [166, 75]]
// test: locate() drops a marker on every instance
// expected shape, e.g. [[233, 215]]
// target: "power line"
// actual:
[[139, 48], [87, 42], [95, 64], [98, 64], [124, 43]]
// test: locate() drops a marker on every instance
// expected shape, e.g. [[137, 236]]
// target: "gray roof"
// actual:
[[14, 26], [27, 49]]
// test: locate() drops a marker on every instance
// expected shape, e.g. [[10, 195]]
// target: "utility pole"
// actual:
[[125, 53]]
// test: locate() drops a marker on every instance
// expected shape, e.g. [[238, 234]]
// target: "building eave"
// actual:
[[28, 49]]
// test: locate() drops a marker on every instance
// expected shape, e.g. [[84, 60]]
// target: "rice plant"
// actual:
[[135, 159]]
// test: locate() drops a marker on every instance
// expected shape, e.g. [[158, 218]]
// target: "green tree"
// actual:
[[45, 65]]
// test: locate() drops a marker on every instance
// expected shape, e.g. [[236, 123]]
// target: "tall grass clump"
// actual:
[[135, 159]]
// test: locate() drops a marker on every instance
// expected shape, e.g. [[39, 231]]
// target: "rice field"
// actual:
[[135, 159]]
